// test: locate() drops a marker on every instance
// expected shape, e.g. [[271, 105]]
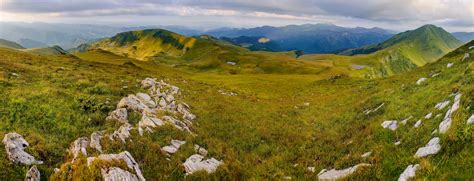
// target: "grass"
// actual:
[[264, 133]]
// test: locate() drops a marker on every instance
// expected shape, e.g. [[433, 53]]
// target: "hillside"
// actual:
[[54, 50], [464, 36], [328, 122], [9, 44], [310, 38], [400, 53]]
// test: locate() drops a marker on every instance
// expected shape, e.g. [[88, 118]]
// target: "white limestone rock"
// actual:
[[95, 141], [120, 115], [196, 163], [334, 174], [173, 147], [449, 65], [470, 120], [148, 122], [446, 123], [146, 99], [117, 174], [398, 143], [417, 124], [33, 174], [15, 146], [311, 169], [431, 148], [367, 154], [442, 105], [200, 150], [429, 115], [148, 83], [132, 103], [404, 122], [185, 112], [125, 156], [390, 124], [409, 172], [176, 123], [421, 80], [123, 133], [79, 146]]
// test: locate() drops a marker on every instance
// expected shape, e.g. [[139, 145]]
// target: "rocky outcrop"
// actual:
[[431, 148], [200, 150], [117, 174], [15, 146], [146, 99], [95, 141], [132, 103], [446, 123], [196, 163], [339, 174], [408, 173], [79, 146], [33, 174], [442, 105], [148, 122], [119, 114], [123, 133], [390, 124], [173, 147], [124, 156]]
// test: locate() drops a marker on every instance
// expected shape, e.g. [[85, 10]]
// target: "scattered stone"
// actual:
[[470, 120], [417, 124], [200, 150], [404, 122], [146, 99], [287, 178], [442, 105], [33, 174], [339, 174], [429, 115], [227, 93], [117, 174], [120, 115], [421, 80], [15, 146], [148, 83], [434, 75], [79, 146], [367, 154], [123, 133], [431, 148], [446, 123], [196, 163], [449, 65], [398, 143], [148, 122], [312, 169], [391, 124], [173, 147], [125, 156], [231, 63], [409, 172], [95, 141]]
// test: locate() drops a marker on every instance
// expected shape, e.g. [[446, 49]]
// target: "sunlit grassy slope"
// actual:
[[264, 133], [9, 44]]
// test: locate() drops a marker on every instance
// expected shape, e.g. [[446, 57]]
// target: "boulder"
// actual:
[[446, 123], [173, 147], [390, 124], [200, 150], [123, 133], [33, 174], [176, 123], [429, 115], [431, 148], [339, 174], [417, 124], [15, 146], [79, 146], [409, 172], [196, 163], [148, 83], [117, 174], [449, 65], [95, 141], [442, 105], [185, 112], [404, 122], [120, 115], [421, 80], [146, 99], [148, 122], [124, 156], [470, 120], [132, 103]]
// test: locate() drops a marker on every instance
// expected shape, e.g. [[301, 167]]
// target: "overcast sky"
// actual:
[[453, 15]]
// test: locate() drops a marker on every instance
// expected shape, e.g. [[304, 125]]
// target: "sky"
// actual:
[[398, 15]]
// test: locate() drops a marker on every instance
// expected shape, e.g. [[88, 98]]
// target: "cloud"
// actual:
[[447, 12]]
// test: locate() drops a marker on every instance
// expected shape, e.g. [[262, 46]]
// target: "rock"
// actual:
[[123, 133], [185, 112], [33, 174], [392, 125], [146, 99], [200, 150], [95, 141], [421, 80], [429, 115], [169, 98], [132, 103], [434, 132], [409, 172], [417, 124], [148, 122], [15, 146], [470, 120], [312, 169], [177, 123], [231, 63], [367, 154], [148, 83], [446, 123], [376, 109], [404, 122], [434, 75], [431, 148], [173, 90], [442, 105], [15, 74], [162, 103], [117, 174], [173, 147], [125, 156], [120, 115], [449, 65], [339, 174], [398, 143], [79, 146], [196, 163]]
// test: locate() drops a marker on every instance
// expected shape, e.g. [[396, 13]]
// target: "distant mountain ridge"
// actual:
[[464, 36], [310, 38]]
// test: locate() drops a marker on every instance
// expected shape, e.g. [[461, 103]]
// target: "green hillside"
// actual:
[[54, 50], [9, 44]]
